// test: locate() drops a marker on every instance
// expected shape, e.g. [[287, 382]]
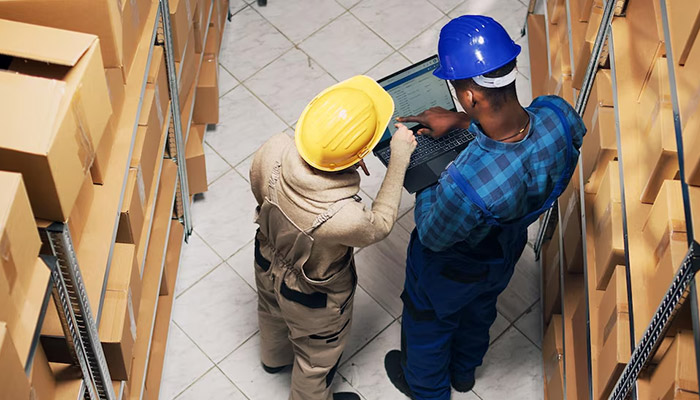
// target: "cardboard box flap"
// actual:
[[55, 46], [40, 101]]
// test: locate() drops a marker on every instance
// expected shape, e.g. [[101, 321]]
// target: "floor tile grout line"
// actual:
[[375, 300], [370, 340], [539, 347], [193, 382], [198, 348], [296, 45], [238, 347], [362, 348], [232, 382], [409, 40], [187, 289], [241, 276]]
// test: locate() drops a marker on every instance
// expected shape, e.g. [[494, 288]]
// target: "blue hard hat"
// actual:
[[473, 45]]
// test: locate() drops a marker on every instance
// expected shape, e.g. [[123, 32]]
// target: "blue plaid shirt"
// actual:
[[513, 179]]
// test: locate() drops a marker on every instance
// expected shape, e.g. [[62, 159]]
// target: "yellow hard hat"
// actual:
[[343, 123]]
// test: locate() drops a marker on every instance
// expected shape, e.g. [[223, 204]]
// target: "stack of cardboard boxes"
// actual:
[[87, 121], [640, 112]]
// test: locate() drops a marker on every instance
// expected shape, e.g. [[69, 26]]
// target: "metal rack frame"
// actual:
[[683, 286]]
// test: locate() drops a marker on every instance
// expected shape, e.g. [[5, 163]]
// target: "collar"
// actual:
[[489, 144]]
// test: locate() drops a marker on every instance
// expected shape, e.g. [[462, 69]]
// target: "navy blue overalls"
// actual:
[[450, 296]]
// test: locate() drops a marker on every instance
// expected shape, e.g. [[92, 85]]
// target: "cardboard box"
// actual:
[[41, 377], [608, 192], [552, 354], [125, 274], [13, 381], [196, 164], [98, 170], [181, 21], [684, 23], [581, 63], [607, 220], [667, 214], [101, 18], [213, 44], [585, 10], [117, 91], [188, 71], [577, 338], [614, 334], [595, 17], [199, 24], [539, 69], [658, 150], [19, 238], [654, 95], [21, 306], [151, 112], [570, 210], [599, 148], [131, 31], [55, 108], [147, 150], [601, 95], [670, 253], [118, 333], [676, 375], [556, 9], [206, 105], [552, 281], [81, 211], [132, 215], [158, 81]]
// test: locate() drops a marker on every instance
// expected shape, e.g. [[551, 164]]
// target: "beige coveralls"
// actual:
[[302, 321]]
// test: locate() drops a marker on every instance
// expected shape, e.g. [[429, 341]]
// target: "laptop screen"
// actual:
[[414, 90]]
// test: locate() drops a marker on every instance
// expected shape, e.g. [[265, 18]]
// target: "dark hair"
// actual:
[[495, 96]]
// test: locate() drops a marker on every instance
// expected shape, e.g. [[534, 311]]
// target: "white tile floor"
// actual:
[[273, 61]]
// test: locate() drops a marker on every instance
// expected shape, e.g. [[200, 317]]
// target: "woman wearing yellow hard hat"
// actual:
[[310, 219]]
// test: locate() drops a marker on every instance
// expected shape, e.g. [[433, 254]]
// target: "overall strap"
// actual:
[[330, 212], [565, 174], [472, 194], [272, 182]]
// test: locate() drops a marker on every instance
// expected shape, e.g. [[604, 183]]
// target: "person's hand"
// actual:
[[437, 121], [403, 143]]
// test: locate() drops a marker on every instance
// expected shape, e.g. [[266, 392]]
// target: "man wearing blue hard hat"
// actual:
[[471, 227]]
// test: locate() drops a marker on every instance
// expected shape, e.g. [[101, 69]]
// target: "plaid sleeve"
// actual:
[[445, 217]]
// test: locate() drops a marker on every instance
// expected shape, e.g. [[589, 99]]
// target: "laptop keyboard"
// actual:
[[429, 148]]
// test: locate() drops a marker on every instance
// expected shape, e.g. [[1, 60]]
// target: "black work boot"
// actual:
[[273, 370], [463, 386], [392, 365], [346, 396]]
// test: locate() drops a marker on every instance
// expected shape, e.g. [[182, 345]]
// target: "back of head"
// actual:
[[476, 53], [343, 124]]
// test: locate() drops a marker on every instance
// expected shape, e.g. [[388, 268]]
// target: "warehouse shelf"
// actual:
[[153, 272], [35, 313], [632, 46], [153, 195], [164, 311]]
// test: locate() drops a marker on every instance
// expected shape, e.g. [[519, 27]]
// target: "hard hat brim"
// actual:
[[384, 108], [441, 73]]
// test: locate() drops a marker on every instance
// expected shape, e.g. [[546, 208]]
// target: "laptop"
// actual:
[[415, 89]]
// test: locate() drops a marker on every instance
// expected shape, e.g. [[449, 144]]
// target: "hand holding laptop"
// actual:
[[438, 121]]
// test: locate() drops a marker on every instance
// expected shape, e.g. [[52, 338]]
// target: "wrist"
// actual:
[[462, 120]]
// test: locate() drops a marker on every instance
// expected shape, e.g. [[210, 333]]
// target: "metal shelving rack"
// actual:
[[66, 284], [683, 287]]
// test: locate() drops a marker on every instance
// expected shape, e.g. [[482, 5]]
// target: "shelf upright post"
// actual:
[[74, 310], [182, 201]]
